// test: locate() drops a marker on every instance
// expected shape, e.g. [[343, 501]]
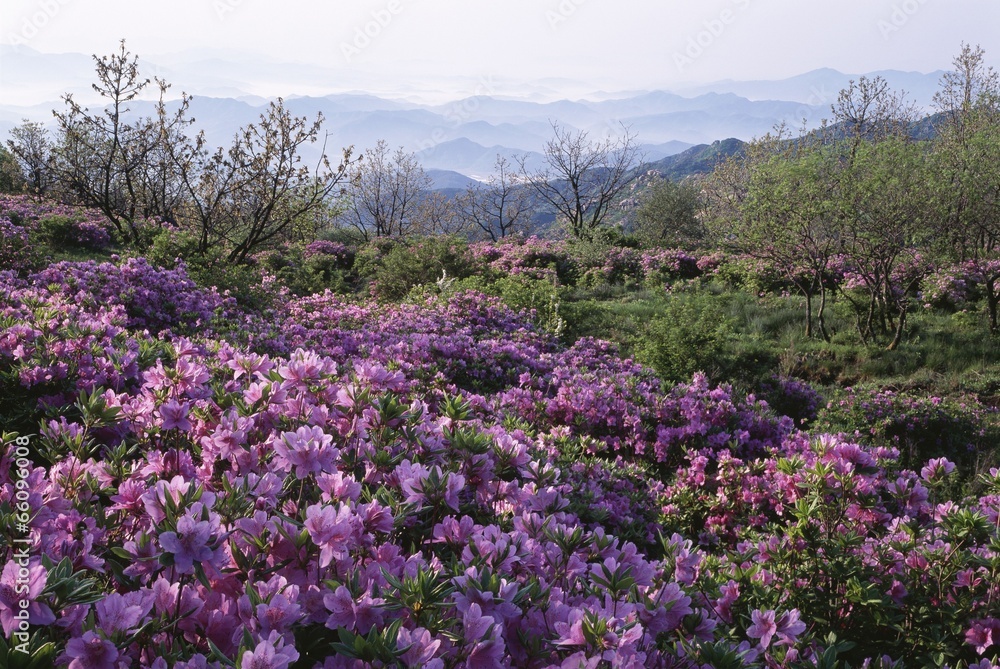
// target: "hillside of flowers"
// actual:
[[333, 481]]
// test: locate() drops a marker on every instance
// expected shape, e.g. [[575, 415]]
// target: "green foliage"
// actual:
[[41, 653], [669, 216], [523, 293], [11, 178], [922, 427], [750, 275], [56, 231], [305, 275], [421, 261], [244, 283], [689, 335], [615, 315]]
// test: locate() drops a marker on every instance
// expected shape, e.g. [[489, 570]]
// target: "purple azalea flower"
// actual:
[[332, 529], [271, 653], [11, 595], [122, 613], [91, 652], [174, 415], [763, 627], [190, 543], [308, 450]]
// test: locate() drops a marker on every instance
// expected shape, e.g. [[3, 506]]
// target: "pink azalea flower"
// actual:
[[936, 469], [190, 543], [271, 653], [332, 529], [983, 634], [121, 613], [789, 627], [340, 603], [308, 450]]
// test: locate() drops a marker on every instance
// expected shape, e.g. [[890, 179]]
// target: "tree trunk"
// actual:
[[820, 317], [900, 326]]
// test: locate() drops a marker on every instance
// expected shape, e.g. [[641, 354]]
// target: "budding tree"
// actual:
[[385, 193], [669, 215], [501, 206], [868, 110], [582, 177], [253, 193], [107, 159], [967, 155], [30, 144]]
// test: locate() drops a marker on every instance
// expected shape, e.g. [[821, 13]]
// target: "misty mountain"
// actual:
[[697, 160], [472, 159], [446, 180], [462, 136], [821, 87]]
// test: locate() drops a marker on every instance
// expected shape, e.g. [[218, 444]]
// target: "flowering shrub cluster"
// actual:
[[612, 265], [663, 265], [793, 398], [15, 247], [153, 298], [322, 247], [56, 224], [951, 287], [533, 257], [955, 286], [921, 427], [441, 484]]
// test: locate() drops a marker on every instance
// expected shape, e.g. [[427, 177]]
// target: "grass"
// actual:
[[755, 337]]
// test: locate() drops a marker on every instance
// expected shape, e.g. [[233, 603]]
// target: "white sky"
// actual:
[[609, 44]]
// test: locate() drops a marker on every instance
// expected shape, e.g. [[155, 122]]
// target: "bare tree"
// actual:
[[500, 207], [439, 214], [103, 159], [385, 192], [30, 145], [255, 192], [583, 177], [972, 86]]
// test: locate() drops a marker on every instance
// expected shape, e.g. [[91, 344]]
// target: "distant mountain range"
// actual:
[[461, 139]]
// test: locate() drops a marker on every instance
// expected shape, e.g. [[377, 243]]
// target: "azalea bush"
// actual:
[[58, 227], [921, 427], [330, 483]]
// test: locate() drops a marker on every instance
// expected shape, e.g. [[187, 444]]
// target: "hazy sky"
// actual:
[[609, 44]]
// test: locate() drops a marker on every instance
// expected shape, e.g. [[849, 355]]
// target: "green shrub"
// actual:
[[690, 335], [307, 274], [421, 261], [524, 293], [744, 273], [243, 282]]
